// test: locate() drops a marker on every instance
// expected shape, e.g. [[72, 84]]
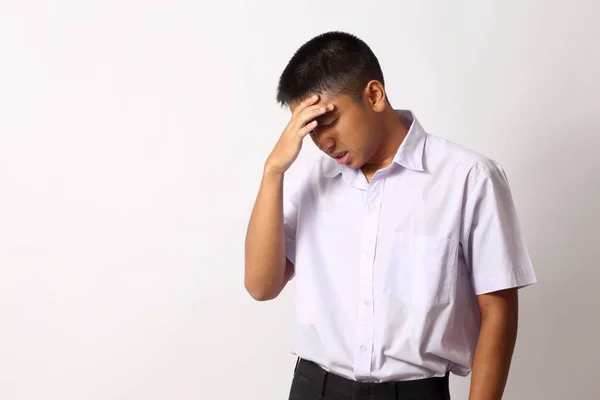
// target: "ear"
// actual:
[[375, 96]]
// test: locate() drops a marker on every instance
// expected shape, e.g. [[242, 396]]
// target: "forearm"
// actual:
[[494, 353], [265, 243]]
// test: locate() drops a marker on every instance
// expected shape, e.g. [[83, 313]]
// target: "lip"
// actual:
[[344, 159]]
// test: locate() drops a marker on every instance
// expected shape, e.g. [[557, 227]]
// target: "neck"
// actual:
[[393, 132]]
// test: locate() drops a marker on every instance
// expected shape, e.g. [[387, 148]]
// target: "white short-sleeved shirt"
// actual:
[[387, 271]]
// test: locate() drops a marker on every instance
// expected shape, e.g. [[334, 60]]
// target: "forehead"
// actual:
[[340, 101]]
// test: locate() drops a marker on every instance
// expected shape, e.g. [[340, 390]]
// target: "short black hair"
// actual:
[[334, 62]]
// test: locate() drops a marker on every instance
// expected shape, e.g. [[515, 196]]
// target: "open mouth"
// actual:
[[342, 158]]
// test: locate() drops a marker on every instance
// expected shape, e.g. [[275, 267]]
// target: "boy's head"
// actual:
[[335, 63], [343, 71]]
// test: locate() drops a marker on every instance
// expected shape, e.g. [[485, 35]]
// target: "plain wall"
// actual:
[[132, 140]]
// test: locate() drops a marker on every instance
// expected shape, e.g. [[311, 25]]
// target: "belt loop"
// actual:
[[324, 384], [396, 395], [447, 384]]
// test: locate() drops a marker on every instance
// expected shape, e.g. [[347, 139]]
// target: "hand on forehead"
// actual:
[[323, 99]]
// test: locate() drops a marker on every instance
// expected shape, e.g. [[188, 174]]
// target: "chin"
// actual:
[[352, 164]]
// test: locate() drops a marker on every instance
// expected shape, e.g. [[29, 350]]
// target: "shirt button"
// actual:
[[365, 254], [371, 207], [366, 303], [363, 348]]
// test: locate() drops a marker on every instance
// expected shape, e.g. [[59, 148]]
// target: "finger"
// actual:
[[307, 102], [313, 112], [308, 128]]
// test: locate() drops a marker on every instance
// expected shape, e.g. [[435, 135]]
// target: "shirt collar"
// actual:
[[409, 154]]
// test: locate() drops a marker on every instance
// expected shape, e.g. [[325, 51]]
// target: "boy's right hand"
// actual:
[[289, 144]]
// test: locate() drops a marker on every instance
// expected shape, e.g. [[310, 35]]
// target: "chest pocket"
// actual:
[[421, 269]]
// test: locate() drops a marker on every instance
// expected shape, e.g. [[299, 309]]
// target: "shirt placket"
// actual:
[[364, 350]]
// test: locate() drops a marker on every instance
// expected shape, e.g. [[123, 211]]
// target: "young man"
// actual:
[[406, 249]]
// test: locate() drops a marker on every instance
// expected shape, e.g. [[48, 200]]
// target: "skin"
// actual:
[[371, 132], [497, 337]]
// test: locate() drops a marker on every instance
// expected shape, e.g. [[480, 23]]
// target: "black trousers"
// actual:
[[311, 382]]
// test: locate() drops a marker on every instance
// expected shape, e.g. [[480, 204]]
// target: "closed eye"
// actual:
[[329, 125]]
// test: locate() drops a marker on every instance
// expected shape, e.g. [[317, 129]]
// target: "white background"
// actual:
[[132, 140]]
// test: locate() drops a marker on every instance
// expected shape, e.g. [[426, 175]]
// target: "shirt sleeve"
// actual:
[[493, 242]]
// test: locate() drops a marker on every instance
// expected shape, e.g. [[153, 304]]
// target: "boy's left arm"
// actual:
[[497, 337]]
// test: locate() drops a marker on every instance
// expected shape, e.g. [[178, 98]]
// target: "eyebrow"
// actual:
[[331, 115]]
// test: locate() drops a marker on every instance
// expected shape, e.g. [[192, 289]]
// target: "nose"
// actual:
[[326, 144]]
